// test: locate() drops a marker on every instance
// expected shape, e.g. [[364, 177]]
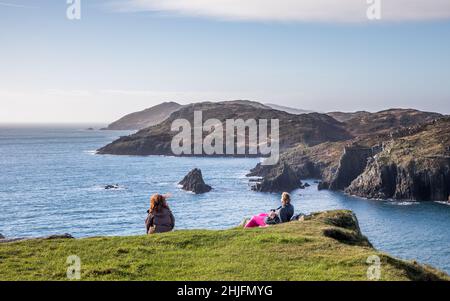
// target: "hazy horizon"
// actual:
[[125, 56]]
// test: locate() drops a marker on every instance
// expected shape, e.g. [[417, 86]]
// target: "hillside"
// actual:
[[364, 123], [145, 118], [325, 246], [310, 129], [346, 116]]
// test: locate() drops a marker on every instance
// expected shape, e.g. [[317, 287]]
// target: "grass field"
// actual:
[[304, 250]]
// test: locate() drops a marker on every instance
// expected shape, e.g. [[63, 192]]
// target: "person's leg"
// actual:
[[257, 221], [251, 223]]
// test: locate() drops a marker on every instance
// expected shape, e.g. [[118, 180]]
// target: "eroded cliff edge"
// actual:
[[411, 163]]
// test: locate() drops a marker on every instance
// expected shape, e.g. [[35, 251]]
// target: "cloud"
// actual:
[[294, 10]]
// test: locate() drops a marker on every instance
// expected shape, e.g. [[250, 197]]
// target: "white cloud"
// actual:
[[294, 10]]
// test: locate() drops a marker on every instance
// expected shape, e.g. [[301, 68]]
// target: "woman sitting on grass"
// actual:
[[160, 218], [282, 214]]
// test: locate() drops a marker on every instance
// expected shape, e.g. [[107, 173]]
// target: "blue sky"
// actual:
[[124, 56]]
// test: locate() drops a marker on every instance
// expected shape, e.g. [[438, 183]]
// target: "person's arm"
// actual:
[[149, 222], [283, 214], [172, 220]]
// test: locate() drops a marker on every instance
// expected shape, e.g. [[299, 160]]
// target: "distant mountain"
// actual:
[[148, 117], [309, 129], [288, 109]]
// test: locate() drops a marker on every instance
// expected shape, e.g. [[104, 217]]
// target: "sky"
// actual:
[[124, 56]]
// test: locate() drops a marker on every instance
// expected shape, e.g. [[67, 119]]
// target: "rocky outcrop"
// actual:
[[194, 182], [279, 180], [414, 165], [1, 236], [425, 179], [112, 187], [352, 163], [50, 237]]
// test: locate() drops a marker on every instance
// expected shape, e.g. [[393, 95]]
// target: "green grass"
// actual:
[[292, 251]]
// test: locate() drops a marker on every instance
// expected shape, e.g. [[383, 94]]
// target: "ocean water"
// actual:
[[51, 181]]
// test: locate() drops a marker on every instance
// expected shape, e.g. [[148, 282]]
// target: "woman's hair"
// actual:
[[286, 198], [157, 202]]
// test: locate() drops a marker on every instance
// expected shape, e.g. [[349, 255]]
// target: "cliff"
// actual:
[[414, 165], [352, 163], [404, 163], [323, 246]]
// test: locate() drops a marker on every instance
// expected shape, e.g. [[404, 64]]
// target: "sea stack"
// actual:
[[282, 179], [194, 182]]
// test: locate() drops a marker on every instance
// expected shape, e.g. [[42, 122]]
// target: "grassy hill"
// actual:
[[326, 246]]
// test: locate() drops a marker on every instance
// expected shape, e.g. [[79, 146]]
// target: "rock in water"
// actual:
[[283, 179], [194, 182], [109, 187]]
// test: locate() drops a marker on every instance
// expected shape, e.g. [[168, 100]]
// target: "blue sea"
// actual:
[[51, 181]]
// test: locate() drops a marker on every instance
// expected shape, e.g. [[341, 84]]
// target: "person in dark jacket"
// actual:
[[160, 218], [283, 213], [280, 215]]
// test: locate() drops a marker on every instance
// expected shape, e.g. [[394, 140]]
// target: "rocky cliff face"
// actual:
[[352, 163], [279, 180], [422, 180], [194, 182], [413, 166], [408, 163]]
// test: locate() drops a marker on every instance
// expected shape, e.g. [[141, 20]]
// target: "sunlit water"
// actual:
[[52, 182]]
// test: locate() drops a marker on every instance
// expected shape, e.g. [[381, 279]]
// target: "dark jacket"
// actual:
[[284, 214], [162, 221]]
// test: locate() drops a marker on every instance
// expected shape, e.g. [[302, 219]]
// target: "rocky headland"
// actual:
[[309, 129]]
